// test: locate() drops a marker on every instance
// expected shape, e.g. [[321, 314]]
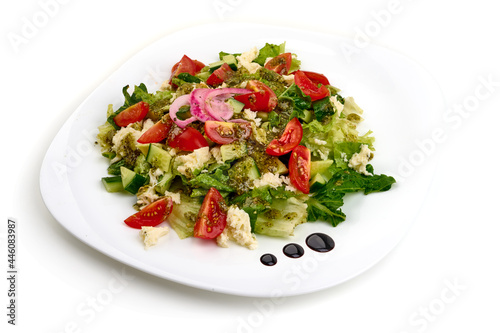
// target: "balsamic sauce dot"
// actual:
[[320, 242], [268, 259], [293, 250]]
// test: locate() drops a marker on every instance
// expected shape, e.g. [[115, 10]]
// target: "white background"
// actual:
[[442, 277]]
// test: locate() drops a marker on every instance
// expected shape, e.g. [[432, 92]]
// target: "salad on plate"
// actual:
[[250, 144]]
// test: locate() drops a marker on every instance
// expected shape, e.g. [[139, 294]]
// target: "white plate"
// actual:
[[399, 100]]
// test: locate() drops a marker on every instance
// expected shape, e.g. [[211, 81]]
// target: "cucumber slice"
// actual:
[[233, 150], [282, 169], [159, 158], [321, 167], [112, 184], [236, 105], [132, 181], [228, 59], [317, 182]]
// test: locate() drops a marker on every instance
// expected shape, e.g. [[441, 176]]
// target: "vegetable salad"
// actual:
[[248, 144]]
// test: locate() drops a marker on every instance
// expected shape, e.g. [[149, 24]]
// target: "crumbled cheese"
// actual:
[[153, 175], [288, 187], [121, 135], [339, 107], [176, 197], [289, 79], [320, 142], [147, 124], [268, 179], [343, 156], [252, 116], [150, 235], [193, 161], [146, 196], [359, 160], [237, 229], [323, 154], [246, 58], [172, 151], [215, 151], [165, 85]]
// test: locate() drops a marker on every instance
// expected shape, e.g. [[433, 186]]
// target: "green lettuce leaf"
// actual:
[[269, 51]]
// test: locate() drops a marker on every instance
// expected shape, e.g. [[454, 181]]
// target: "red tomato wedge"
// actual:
[[188, 140], [212, 217], [280, 64], [220, 75], [262, 99], [310, 88], [151, 215], [198, 66], [156, 133], [317, 78], [291, 137], [299, 167], [186, 65], [226, 132], [132, 114]]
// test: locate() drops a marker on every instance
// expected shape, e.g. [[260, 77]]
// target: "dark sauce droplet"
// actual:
[[293, 250], [268, 259], [320, 242]]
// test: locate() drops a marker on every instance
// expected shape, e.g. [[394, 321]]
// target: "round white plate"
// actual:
[[400, 101]]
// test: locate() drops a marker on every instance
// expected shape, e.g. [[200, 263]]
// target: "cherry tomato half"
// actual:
[[212, 217], [151, 215], [262, 99], [291, 137], [220, 75], [310, 88], [156, 133], [299, 167], [186, 65], [280, 64], [133, 113], [317, 78], [188, 140], [226, 132]]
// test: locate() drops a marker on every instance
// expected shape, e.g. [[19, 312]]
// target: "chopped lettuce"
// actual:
[[269, 51]]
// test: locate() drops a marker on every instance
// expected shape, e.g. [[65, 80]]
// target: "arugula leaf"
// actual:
[[325, 204], [299, 100], [326, 208], [269, 51], [323, 108], [348, 180]]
